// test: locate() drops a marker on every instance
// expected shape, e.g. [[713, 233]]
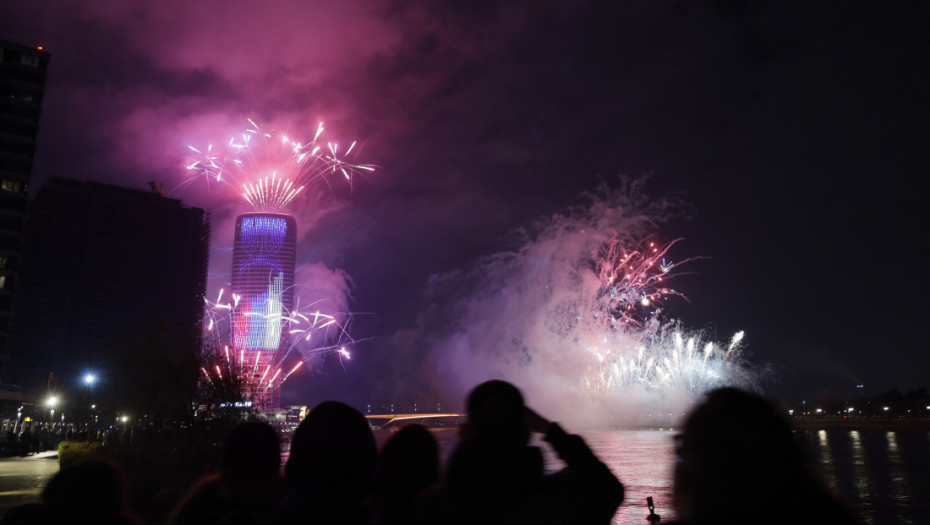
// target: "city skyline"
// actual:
[[794, 133]]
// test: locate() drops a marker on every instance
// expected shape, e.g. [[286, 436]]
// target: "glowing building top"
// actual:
[[269, 169]]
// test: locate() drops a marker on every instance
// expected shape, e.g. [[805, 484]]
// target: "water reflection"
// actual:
[[642, 459], [899, 483], [860, 469], [826, 458], [884, 475], [644, 462]]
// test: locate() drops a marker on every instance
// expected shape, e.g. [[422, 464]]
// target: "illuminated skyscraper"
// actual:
[[264, 256]]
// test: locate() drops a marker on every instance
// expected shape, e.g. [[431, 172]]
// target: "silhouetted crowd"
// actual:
[[736, 462], [25, 440], [24, 437]]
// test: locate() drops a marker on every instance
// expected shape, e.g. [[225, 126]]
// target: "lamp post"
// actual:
[[51, 402], [89, 379]]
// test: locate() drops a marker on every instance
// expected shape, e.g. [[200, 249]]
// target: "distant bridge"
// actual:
[[401, 417], [11, 394]]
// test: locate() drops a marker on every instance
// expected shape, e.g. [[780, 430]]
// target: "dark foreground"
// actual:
[[23, 478], [884, 473]]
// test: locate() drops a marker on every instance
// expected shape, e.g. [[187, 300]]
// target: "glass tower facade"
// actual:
[[264, 255]]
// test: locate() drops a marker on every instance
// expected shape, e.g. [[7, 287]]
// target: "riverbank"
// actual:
[[884, 424]]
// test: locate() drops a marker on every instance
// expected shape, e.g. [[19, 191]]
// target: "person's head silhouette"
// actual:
[[496, 412], [252, 451], [333, 450], [738, 460]]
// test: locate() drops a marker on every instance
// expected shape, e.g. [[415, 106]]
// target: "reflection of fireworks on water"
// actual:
[[574, 316], [313, 334], [269, 168]]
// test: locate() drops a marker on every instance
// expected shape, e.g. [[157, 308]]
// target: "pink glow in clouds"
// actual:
[[271, 168], [488, 115], [551, 316]]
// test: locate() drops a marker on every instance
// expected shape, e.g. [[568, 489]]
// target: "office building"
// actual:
[[264, 256], [22, 84], [111, 281]]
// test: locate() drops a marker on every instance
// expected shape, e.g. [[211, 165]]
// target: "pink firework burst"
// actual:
[[270, 169]]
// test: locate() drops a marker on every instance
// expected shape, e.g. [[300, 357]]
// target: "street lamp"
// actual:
[[51, 403], [89, 379]]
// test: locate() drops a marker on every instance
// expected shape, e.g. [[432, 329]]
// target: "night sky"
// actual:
[[797, 131]]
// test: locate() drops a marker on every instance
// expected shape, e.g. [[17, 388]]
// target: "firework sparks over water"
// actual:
[[270, 169], [575, 315], [633, 280]]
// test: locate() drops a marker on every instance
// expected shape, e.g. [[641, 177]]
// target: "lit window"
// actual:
[[10, 185], [4, 261], [29, 60], [2, 282]]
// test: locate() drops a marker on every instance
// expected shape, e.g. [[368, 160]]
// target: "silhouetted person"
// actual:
[[738, 462], [408, 462], [495, 477], [249, 487], [91, 491], [331, 469]]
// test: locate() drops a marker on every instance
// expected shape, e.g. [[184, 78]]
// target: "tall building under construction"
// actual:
[[22, 88]]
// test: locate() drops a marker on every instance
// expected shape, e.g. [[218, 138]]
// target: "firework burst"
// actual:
[[662, 357], [575, 314], [633, 280], [270, 169], [314, 334]]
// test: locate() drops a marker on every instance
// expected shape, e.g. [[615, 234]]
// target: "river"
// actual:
[[883, 474]]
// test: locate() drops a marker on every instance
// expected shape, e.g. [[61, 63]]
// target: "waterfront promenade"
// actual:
[[23, 478]]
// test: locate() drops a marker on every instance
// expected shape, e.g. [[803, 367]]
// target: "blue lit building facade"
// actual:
[[264, 256]]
